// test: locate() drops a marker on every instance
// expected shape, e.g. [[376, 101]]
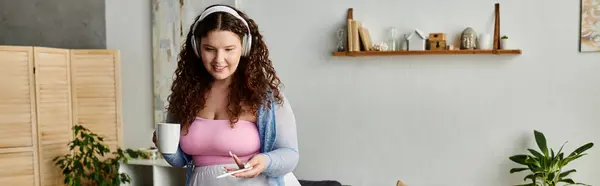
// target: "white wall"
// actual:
[[433, 120], [128, 29], [428, 120]]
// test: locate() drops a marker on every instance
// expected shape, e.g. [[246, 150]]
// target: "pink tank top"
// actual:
[[209, 141]]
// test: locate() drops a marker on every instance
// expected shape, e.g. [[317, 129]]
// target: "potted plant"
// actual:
[[91, 162], [503, 42], [547, 167]]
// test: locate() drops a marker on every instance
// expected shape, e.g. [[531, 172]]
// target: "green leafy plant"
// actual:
[[504, 37], [91, 162], [546, 167]]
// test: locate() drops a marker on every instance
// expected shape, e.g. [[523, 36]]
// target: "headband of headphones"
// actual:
[[246, 40]]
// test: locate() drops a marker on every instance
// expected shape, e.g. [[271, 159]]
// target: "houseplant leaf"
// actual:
[[582, 149], [551, 176], [536, 153], [520, 159], [560, 156], [571, 158], [551, 160], [540, 139], [535, 168], [568, 180], [513, 170], [532, 177], [527, 184], [533, 161], [566, 173], [561, 147]]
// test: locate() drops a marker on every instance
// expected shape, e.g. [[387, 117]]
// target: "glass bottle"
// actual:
[[392, 40], [341, 40]]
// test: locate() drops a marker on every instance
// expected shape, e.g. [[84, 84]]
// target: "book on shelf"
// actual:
[[359, 38]]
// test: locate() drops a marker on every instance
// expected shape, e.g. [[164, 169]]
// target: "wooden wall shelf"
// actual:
[[496, 49], [426, 52]]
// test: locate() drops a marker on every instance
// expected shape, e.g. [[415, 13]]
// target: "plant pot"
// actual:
[[503, 43]]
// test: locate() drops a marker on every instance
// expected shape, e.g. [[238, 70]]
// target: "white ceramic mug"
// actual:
[[168, 135]]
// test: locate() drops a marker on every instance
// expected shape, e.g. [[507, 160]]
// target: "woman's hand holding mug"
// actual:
[[154, 138]]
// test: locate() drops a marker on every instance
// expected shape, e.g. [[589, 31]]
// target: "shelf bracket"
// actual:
[[496, 28]]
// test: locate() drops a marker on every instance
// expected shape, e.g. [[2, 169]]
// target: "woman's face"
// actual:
[[220, 51]]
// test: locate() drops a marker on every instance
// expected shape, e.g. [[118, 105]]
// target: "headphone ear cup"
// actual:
[[245, 45], [195, 46], [248, 44]]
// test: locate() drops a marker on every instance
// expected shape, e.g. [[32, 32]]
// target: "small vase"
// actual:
[[485, 41], [393, 39], [503, 43]]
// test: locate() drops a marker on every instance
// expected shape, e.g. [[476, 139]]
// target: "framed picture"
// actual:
[[589, 40]]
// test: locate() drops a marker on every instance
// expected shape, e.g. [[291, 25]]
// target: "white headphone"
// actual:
[[246, 39]]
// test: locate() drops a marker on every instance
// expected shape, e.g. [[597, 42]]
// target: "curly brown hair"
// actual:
[[251, 83]]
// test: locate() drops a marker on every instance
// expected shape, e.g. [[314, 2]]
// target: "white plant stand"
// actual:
[[152, 173]]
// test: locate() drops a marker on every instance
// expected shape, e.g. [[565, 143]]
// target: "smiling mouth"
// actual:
[[219, 68]]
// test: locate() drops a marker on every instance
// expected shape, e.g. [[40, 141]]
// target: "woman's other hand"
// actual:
[[258, 164]]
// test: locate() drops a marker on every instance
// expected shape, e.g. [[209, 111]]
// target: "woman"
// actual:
[[226, 97]]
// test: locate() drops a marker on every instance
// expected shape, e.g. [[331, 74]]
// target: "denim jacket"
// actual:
[[278, 142]]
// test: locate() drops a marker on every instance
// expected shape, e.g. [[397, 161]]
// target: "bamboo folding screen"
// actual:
[[43, 93]]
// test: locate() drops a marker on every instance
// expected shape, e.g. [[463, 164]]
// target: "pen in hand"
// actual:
[[237, 160]]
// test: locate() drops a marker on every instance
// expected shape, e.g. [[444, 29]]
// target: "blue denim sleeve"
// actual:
[[176, 160], [284, 158]]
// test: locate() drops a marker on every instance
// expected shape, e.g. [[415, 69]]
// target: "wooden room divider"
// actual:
[[43, 93]]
